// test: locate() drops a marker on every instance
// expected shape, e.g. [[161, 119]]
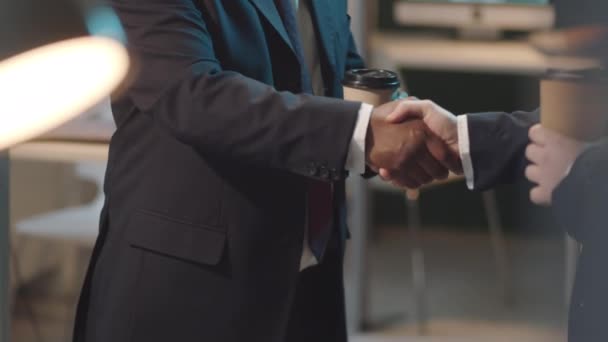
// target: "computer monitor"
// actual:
[[477, 17]]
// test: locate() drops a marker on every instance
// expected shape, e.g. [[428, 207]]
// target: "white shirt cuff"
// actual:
[[355, 161], [465, 150]]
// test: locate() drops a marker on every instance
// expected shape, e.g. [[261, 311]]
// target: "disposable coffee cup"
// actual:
[[372, 86], [575, 103]]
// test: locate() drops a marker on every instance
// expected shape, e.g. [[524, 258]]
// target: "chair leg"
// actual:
[[418, 266], [498, 246], [27, 304], [572, 251]]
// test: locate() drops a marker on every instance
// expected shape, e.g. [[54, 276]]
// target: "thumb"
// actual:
[[447, 157], [408, 109]]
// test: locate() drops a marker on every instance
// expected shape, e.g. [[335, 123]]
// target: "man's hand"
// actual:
[[551, 155], [407, 152], [442, 125]]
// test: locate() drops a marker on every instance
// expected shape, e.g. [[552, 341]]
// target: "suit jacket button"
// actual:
[[335, 175], [313, 169], [324, 172]]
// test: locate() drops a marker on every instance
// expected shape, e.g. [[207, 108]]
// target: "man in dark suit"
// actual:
[[225, 208]]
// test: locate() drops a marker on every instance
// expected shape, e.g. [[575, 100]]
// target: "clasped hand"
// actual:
[[409, 148]]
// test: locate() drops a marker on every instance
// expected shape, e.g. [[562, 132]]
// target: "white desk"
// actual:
[[77, 224], [61, 151], [491, 57], [85, 143]]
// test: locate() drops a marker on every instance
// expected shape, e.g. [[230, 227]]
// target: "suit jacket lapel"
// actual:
[[271, 13], [322, 14]]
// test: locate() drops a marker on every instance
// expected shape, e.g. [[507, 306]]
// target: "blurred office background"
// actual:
[[442, 264]]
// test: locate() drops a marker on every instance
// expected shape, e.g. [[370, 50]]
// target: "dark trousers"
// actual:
[[320, 284]]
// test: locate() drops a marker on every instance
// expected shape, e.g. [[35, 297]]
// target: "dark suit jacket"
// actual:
[[202, 231], [497, 145]]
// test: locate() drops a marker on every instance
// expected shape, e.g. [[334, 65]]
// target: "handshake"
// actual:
[[412, 142]]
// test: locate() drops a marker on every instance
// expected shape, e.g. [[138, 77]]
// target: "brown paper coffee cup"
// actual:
[[372, 86], [575, 104]]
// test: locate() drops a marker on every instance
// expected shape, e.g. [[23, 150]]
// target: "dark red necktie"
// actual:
[[320, 210]]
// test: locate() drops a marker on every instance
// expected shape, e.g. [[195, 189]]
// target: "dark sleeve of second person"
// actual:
[[580, 202], [497, 143], [183, 86]]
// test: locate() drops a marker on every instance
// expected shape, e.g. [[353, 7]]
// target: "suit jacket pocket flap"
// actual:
[[172, 237]]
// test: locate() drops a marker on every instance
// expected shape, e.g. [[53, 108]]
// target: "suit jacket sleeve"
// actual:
[[184, 88], [497, 145], [579, 202]]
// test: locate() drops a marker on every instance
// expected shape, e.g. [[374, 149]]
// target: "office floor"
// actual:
[[464, 301]]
